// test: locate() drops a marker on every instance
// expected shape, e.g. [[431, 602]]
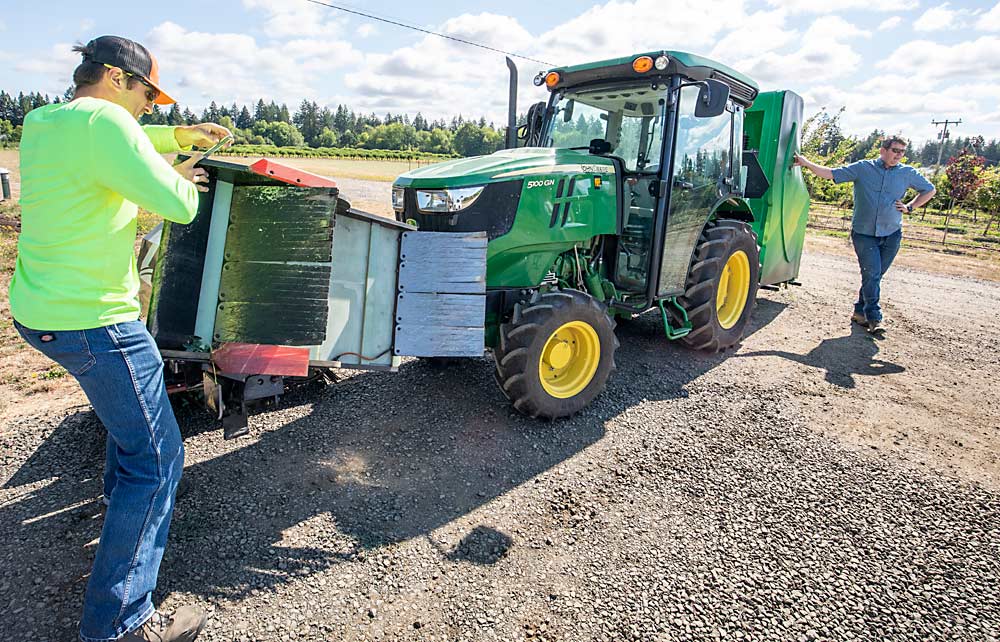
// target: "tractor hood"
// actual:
[[508, 164]]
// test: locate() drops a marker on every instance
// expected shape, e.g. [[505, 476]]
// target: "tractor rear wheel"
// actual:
[[721, 285], [556, 353]]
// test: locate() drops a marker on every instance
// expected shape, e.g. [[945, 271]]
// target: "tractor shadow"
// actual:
[[842, 358], [332, 477]]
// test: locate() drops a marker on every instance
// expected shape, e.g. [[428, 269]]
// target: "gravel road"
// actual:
[[803, 488]]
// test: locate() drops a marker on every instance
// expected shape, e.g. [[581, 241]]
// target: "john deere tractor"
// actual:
[[660, 181]]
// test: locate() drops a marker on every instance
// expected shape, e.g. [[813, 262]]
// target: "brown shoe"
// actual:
[[859, 318], [183, 626], [875, 326]]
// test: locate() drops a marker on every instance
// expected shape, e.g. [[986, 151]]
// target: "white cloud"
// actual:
[[367, 30], [86, 25], [766, 29], [200, 67], [936, 18], [893, 103], [287, 18], [822, 56], [990, 21], [812, 6], [58, 63], [889, 23], [622, 28], [925, 59], [442, 78]]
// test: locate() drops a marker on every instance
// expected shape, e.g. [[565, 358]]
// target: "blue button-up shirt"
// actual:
[[876, 190]]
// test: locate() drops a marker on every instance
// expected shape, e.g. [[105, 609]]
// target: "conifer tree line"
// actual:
[[310, 126], [315, 126]]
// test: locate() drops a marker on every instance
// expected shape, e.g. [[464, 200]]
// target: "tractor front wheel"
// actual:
[[556, 353], [721, 285]]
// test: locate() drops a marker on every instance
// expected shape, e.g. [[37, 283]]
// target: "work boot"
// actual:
[[183, 626], [859, 318], [875, 326]]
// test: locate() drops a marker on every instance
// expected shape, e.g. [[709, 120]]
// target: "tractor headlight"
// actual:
[[447, 200], [397, 198]]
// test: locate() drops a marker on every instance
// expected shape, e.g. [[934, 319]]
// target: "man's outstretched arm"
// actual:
[[818, 170]]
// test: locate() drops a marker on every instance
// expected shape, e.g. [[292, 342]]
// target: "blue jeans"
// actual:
[[875, 255], [120, 369]]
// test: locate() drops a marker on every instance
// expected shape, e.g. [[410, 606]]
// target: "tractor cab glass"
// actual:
[[703, 176], [628, 118]]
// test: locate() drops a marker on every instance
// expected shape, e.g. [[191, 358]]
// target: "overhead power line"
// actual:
[[427, 31]]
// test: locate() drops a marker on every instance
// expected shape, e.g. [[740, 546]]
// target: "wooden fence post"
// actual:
[[947, 220]]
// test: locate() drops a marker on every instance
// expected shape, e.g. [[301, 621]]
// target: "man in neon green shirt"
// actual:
[[86, 166]]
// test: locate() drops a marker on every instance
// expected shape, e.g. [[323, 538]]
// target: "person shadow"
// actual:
[[843, 358]]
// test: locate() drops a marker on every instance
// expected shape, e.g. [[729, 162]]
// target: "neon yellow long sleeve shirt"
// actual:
[[85, 166]]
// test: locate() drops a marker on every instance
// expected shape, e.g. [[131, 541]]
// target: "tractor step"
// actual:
[[675, 333]]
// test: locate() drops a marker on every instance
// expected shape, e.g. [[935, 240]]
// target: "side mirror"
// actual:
[[712, 99], [568, 110]]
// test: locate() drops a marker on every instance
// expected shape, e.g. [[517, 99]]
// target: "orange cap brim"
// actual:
[[163, 98]]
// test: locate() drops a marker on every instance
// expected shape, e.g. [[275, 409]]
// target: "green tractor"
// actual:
[[657, 181]]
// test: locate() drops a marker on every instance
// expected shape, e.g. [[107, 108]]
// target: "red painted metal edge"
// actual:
[[255, 358], [286, 174]]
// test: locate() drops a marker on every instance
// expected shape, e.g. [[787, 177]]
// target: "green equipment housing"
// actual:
[[660, 181]]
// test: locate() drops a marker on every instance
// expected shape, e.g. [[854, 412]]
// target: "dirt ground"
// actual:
[[817, 483]]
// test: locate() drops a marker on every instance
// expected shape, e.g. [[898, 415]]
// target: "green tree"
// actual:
[[309, 121], [393, 136], [348, 139], [818, 132], [987, 195], [279, 133], [326, 138], [244, 120], [174, 116], [963, 175], [436, 141], [6, 133], [473, 140]]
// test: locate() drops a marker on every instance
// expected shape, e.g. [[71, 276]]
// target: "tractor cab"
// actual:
[[675, 141]]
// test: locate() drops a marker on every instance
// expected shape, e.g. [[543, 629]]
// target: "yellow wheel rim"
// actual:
[[569, 359], [734, 287]]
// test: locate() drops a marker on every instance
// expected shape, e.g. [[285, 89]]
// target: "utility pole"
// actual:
[[943, 136]]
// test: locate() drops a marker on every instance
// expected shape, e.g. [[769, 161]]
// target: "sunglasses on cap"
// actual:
[[152, 93]]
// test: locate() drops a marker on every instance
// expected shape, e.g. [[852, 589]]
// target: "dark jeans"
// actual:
[[120, 370], [875, 255]]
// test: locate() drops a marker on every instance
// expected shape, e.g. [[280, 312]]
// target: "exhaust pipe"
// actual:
[[512, 106]]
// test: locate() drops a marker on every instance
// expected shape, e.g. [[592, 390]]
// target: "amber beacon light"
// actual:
[[642, 64]]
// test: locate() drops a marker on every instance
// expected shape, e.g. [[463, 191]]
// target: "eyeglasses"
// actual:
[[152, 93], [897, 150]]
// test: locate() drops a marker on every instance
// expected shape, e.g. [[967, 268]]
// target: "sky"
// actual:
[[895, 65]]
